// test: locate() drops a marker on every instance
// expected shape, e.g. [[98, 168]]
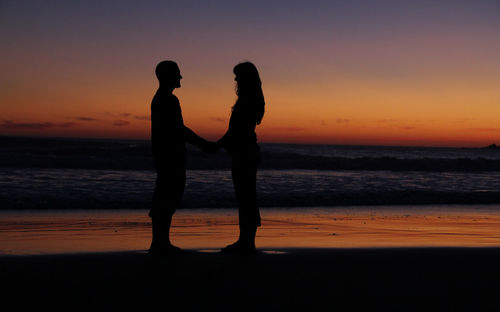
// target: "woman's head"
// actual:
[[249, 87], [247, 76]]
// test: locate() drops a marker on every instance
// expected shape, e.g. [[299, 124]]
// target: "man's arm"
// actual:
[[193, 138]]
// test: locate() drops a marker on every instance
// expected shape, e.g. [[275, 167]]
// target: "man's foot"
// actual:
[[239, 248], [165, 250]]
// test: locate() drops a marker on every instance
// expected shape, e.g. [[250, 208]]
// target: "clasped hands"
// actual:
[[210, 147]]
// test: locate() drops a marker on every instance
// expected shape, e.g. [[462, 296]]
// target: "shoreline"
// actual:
[[53, 232]]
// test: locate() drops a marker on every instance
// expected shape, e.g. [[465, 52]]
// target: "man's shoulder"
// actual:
[[164, 99], [165, 95]]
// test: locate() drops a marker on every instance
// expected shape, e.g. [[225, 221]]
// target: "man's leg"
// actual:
[[167, 197], [161, 232]]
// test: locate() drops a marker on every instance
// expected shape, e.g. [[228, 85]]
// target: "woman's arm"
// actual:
[[241, 128], [223, 141]]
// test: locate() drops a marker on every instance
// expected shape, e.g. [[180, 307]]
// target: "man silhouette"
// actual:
[[168, 139]]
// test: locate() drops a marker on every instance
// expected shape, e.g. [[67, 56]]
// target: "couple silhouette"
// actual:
[[169, 136]]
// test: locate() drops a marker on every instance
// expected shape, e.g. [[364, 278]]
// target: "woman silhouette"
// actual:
[[240, 141]]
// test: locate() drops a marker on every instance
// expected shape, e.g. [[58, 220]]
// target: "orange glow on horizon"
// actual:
[[336, 111]]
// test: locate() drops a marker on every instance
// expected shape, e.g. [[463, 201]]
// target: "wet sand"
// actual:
[[48, 232], [397, 259]]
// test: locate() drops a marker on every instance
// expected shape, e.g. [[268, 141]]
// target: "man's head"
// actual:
[[168, 74]]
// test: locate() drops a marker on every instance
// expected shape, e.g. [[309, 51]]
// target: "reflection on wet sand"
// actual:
[[207, 230]]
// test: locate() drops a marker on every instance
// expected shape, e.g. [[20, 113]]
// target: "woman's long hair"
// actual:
[[249, 89]]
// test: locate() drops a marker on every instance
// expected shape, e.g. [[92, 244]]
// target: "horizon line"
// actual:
[[266, 142]]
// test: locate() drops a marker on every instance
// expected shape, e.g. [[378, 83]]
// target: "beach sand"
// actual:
[[352, 279], [364, 259], [45, 232]]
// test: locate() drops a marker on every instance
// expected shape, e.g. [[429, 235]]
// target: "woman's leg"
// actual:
[[244, 180]]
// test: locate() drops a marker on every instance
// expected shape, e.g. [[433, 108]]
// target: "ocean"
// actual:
[[65, 174]]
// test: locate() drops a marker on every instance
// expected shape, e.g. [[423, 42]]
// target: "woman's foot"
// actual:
[[240, 248]]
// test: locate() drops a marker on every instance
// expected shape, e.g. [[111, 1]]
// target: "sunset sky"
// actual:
[[335, 72]]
